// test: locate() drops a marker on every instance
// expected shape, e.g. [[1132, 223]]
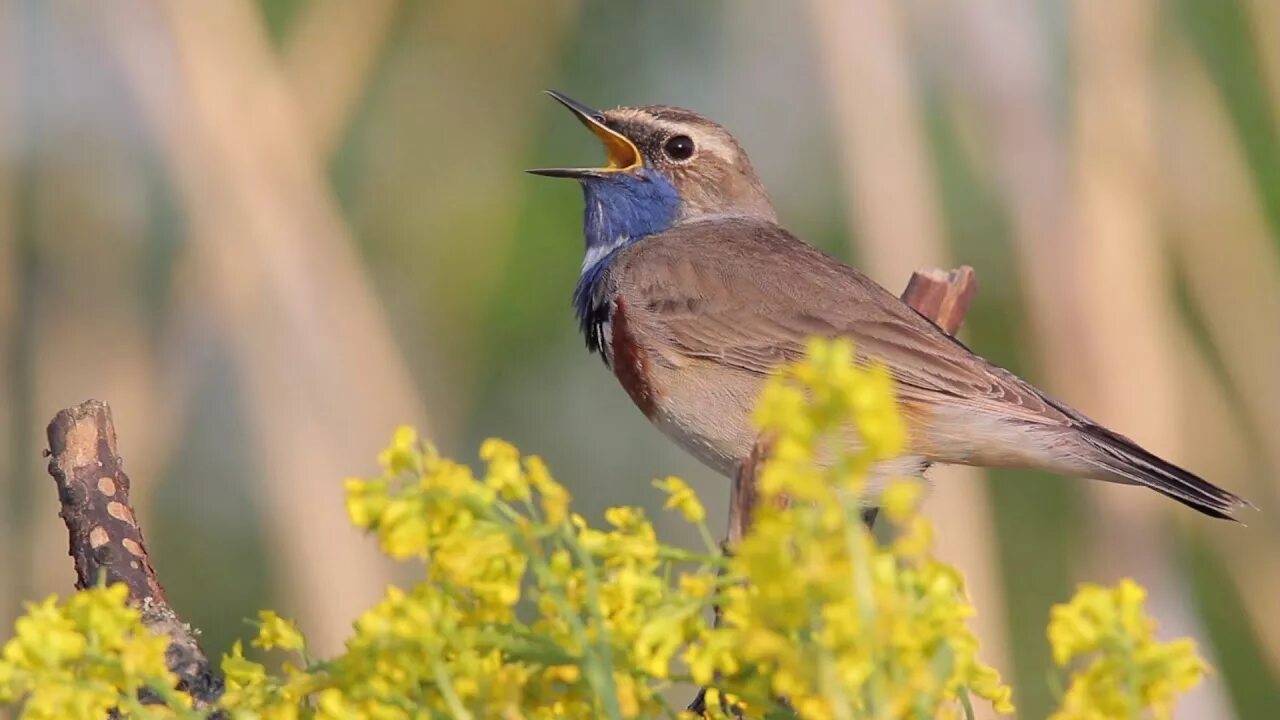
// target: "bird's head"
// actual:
[[664, 166]]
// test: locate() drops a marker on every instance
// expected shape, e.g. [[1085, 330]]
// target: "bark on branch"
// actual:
[[106, 541], [943, 296]]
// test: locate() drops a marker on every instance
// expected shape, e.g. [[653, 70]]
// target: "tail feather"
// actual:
[[1125, 460]]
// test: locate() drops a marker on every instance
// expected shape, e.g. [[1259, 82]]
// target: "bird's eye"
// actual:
[[678, 147]]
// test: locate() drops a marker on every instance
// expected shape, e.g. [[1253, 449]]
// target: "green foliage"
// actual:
[[527, 611]]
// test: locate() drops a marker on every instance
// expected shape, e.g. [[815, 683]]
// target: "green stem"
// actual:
[[1134, 704], [864, 593], [603, 682], [597, 654], [712, 546], [829, 679], [445, 683]]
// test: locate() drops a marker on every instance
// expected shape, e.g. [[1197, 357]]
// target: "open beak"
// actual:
[[621, 153]]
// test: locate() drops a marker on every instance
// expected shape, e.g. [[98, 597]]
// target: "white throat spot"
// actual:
[[599, 252]]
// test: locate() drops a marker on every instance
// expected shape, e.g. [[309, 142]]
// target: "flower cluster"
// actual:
[[527, 610], [601, 611], [82, 658], [822, 614], [1127, 670]]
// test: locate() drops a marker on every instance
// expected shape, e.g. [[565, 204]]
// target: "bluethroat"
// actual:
[[693, 294]]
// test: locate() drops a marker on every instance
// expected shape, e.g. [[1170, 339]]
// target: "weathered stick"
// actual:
[[106, 542], [942, 296]]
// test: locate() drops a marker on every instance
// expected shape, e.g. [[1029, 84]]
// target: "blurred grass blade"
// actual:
[[1128, 301], [1265, 29], [324, 379], [329, 58], [10, 109], [1233, 274]]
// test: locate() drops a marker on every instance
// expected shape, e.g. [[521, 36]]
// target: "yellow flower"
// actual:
[[836, 622], [366, 501], [628, 697], [240, 671], [812, 607], [1127, 669], [504, 474], [681, 497], [553, 498], [404, 454], [698, 586], [563, 673], [901, 499], [79, 659], [44, 638], [277, 632], [333, 706]]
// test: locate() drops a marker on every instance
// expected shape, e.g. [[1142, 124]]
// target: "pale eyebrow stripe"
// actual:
[[708, 138], [705, 138]]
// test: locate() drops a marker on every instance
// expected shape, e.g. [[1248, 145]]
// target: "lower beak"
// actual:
[[622, 154]]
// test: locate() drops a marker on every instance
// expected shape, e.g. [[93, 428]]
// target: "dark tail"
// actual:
[[1121, 458]]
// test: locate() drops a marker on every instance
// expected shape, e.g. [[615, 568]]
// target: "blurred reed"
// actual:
[[11, 545], [279, 271], [453, 206], [1264, 34], [1126, 298], [1232, 269], [996, 77], [329, 58]]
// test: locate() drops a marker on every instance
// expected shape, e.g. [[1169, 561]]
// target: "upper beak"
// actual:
[[621, 153]]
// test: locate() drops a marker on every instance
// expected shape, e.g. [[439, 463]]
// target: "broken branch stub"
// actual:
[[106, 541]]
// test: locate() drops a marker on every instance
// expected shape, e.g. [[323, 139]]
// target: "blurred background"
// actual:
[[268, 232]]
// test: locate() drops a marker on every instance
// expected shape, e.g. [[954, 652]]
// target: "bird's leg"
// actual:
[[869, 517], [699, 704], [743, 492]]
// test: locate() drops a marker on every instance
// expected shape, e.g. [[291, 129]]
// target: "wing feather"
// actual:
[[747, 294]]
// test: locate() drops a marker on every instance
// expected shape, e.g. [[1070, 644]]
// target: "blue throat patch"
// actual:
[[621, 209]]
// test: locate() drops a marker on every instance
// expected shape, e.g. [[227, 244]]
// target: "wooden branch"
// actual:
[[942, 296], [106, 541]]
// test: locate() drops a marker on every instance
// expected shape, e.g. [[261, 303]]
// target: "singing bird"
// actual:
[[693, 294]]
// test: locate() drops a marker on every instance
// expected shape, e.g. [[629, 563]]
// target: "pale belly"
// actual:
[[708, 413]]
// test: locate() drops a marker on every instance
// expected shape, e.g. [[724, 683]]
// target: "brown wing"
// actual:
[[748, 294]]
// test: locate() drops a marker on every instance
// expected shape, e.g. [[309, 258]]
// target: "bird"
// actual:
[[693, 294]]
